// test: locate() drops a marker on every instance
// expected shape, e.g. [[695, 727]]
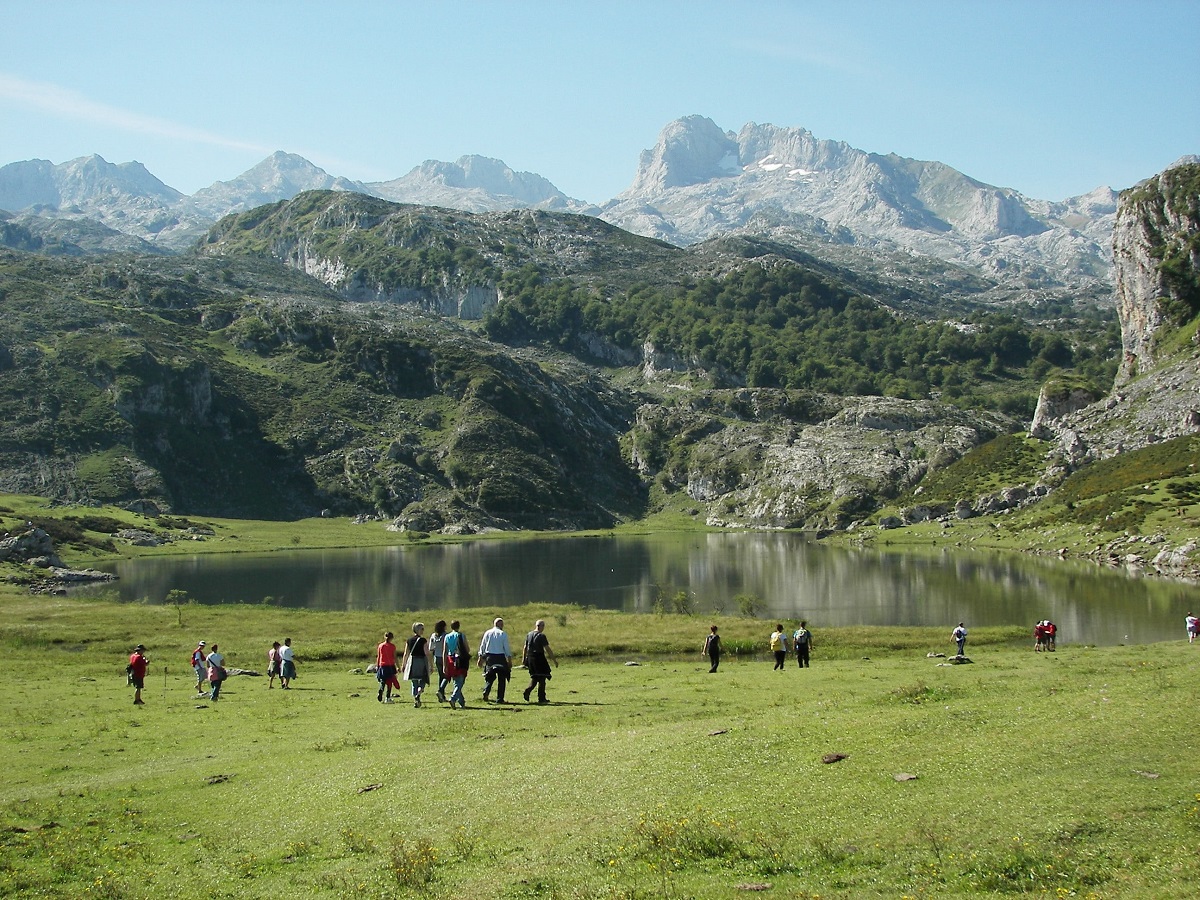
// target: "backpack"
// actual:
[[800, 637]]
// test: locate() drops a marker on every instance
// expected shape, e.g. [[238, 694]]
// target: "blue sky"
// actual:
[[1052, 98]]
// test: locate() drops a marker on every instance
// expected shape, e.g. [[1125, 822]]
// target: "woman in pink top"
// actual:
[[385, 668]]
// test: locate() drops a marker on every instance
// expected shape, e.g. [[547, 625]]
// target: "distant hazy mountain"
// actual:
[[84, 183], [125, 197], [281, 176], [699, 182], [475, 184]]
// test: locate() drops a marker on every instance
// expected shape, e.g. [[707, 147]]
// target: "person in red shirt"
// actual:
[[138, 664], [385, 667]]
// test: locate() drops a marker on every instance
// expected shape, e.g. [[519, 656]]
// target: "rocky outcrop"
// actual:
[[787, 459], [1157, 257], [1056, 400], [30, 545], [1156, 245]]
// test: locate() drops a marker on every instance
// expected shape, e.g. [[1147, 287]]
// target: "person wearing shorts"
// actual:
[[138, 664]]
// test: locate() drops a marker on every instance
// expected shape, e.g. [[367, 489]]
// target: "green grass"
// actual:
[[1067, 774]]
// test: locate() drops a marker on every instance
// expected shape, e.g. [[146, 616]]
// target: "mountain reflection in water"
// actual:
[[792, 576]]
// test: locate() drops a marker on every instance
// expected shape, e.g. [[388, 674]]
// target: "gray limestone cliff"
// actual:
[[1156, 249], [1156, 396]]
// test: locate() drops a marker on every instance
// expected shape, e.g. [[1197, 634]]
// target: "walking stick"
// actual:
[[164, 686]]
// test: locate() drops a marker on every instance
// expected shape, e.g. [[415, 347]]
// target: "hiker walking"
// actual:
[[537, 649], [198, 666], [712, 649], [216, 672], [138, 665], [960, 637], [779, 645], [495, 655], [385, 667], [802, 643], [416, 664], [287, 664], [436, 644], [272, 664], [456, 660]]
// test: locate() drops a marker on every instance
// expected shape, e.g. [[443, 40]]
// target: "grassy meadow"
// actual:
[[1073, 774]]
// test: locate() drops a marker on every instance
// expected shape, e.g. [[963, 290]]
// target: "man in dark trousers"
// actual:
[[495, 657], [537, 649], [802, 641]]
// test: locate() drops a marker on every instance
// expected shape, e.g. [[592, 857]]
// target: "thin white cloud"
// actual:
[[846, 63], [69, 104]]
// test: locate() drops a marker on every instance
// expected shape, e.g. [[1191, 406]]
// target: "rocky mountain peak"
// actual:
[[699, 182], [88, 183], [691, 150], [474, 184], [281, 176]]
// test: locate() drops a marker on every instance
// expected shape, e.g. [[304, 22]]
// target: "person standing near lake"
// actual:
[[198, 665], [385, 667], [495, 656], [416, 663], [960, 637], [802, 643], [272, 664], [138, 666], [287, 664], [779, 645], [538, 657], [436, 643], [1193, 627], [712, 649], [456, 660], [216, 672]]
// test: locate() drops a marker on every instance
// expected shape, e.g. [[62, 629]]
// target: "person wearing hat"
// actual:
[[198, 665], [138, 664]]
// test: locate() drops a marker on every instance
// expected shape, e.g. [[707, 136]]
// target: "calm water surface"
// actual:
[[794, 578]]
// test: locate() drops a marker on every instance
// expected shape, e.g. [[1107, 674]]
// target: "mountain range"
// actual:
[[698, 182]]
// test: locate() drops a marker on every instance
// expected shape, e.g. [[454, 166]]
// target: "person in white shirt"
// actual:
[[495, 656], [215, 662], [287, 664], [960, 637]]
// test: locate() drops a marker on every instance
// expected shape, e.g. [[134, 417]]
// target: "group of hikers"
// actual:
[[1045, 636], [800, 642], [446, 655]]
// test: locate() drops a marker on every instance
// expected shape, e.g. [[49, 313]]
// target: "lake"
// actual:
[[793, 576]]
